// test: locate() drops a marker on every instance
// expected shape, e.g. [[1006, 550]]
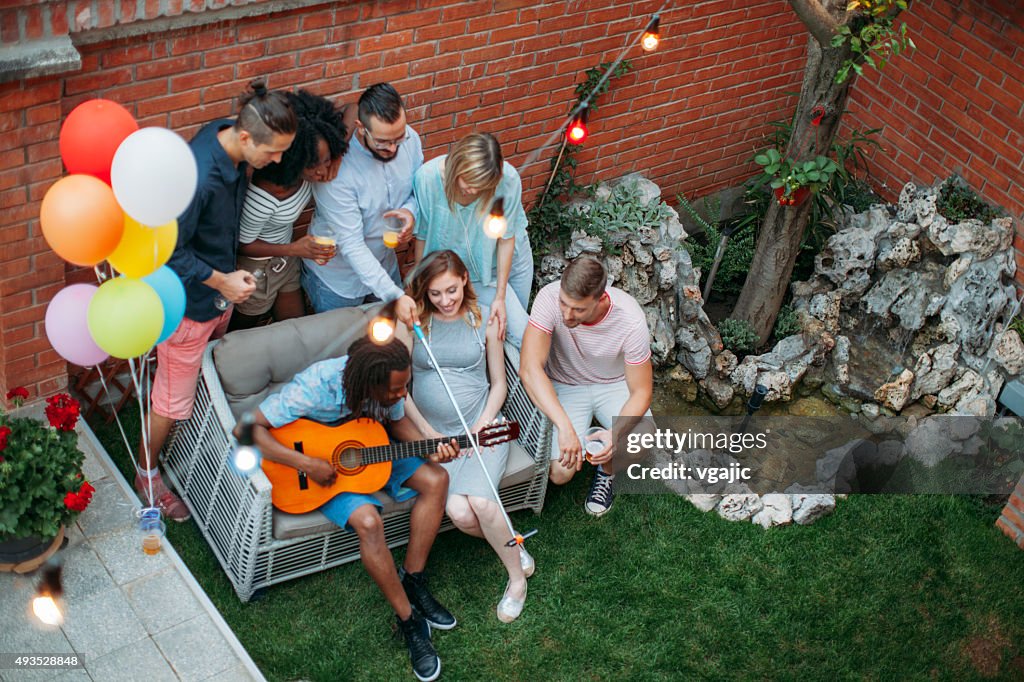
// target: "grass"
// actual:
[[887, 587]]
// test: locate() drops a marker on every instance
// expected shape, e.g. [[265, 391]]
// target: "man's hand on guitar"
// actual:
[[446, 452], [320, 471]]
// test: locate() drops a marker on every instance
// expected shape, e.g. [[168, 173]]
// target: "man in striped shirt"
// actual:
[[587, 354]]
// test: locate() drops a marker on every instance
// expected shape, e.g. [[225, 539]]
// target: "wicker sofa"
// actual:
[[256, 544]]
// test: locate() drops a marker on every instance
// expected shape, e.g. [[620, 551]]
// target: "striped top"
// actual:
[[594, 353], [270, 219]]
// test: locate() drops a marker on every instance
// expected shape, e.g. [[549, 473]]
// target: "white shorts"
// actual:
[[586, 402]]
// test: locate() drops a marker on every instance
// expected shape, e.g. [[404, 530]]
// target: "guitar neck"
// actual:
[[416, 448]]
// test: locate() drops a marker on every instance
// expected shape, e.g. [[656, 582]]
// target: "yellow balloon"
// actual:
[[125, 317], [143, 249]]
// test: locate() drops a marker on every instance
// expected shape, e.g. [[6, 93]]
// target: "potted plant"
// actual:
[[793, 181], [42, 487]]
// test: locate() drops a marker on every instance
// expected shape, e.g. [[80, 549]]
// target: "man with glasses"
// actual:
[[373, 185]]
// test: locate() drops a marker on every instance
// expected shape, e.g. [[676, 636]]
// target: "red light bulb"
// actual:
[[577, 131]]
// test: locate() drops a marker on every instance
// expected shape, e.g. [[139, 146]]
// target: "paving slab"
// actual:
[[122, 555], [139, 661], [110, 511], [195, 650], [102, 623], [162, 600]]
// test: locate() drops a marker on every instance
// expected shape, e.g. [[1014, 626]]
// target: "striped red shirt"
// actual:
[[593, 353]]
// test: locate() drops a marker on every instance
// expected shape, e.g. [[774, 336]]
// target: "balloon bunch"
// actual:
[[126, 188]]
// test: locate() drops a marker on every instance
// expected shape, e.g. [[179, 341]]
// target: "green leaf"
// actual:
[[761, 159]]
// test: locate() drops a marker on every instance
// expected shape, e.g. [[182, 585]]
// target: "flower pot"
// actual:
[[798, 196], [23, 555]]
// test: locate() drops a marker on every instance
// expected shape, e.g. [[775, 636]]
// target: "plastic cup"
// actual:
[[595, 440], [390, 239], [151, 530], [323, 241]]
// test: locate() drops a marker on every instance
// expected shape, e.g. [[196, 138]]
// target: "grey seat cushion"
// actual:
[[518, 469], [253, 363]]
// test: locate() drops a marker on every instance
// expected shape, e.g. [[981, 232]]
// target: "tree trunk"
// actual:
[[778, 243]]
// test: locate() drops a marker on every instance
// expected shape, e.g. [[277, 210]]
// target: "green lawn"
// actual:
[[886, 588]]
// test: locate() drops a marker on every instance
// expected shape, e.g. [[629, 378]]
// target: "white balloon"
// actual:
[[154, 175]]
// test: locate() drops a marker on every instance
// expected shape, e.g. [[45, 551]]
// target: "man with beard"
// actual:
[[373, 184]]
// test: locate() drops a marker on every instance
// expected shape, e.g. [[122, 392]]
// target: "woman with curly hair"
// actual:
[[277, 195]]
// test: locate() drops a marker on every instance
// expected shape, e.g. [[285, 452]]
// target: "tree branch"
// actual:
[[817, 19]]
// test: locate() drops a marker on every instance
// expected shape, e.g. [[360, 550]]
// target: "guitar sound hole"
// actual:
[[349, 460]]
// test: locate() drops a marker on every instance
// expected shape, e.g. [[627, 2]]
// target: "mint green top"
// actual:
[[462, 231]]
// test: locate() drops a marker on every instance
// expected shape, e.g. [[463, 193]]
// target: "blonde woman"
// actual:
[[454, 195], [472, 359]]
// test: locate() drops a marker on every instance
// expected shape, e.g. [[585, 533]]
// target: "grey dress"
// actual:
[[461, 351]]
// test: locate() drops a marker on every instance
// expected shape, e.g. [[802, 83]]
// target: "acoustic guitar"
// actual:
[[359, 450]]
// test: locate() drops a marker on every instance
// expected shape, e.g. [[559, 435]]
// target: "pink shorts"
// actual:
[[178, 360]]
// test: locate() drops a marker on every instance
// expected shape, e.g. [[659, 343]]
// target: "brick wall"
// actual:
[[956, 105], [689, 115]]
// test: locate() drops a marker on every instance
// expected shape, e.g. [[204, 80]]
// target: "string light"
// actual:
[[577, 131], [495, 225], [46, 604], [245, 456], [382, 326], [650, 39]]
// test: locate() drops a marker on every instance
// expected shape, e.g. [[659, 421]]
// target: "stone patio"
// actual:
[[130, 616]]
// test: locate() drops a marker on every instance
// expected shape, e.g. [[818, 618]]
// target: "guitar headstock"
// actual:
[[496, 433]]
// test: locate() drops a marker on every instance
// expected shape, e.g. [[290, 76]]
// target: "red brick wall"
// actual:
[[955, 105], [689, 115]]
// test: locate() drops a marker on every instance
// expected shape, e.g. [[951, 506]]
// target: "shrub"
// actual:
[[738, 335], [739, 250], [957, 202], [787, 323]]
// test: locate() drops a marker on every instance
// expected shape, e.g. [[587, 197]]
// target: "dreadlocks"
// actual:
[[370, 366]]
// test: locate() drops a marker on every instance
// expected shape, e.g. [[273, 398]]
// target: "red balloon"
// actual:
[[91, 134]]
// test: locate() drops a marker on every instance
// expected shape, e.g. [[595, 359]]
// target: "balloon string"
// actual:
[[113, 411], [136, 383]]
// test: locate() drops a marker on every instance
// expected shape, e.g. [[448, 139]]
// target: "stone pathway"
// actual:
[[130, 616]]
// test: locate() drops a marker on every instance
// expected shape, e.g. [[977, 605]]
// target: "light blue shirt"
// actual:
[[350, 209], [317, 393], [462, 230]]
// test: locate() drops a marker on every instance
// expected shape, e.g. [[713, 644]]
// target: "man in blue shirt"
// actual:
[[371, 381], [374, 182], [204, 258]]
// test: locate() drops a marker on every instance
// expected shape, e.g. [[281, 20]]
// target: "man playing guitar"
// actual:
[[370, 382]]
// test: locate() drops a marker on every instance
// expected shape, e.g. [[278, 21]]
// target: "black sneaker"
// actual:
[[425, 663], [423, 602], [601, 496]]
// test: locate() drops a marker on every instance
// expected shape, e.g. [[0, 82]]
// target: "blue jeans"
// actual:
[[520, 277], [323, 298]]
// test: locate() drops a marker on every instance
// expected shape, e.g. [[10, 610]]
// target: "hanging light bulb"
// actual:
[[577, 131], [382, 327], [245, 456], [650, 39], [495, 224], [46, 604]]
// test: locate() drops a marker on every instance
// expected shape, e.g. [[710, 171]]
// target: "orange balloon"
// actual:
[[81, 219]]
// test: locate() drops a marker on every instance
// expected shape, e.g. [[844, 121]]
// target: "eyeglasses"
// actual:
[[385, 144]]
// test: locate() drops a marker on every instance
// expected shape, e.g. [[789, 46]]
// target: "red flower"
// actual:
[[4, 432], [75, 502], [62, 412], [17, 394]]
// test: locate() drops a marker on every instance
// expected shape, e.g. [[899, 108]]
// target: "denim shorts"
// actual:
[[340, 507]]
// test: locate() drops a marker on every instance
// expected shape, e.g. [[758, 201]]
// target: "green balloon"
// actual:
[[125, 317]]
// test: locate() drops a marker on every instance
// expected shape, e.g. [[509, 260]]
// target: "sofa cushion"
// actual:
[[518, 469], [253, 363]]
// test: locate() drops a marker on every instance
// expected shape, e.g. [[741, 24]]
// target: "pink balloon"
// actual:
[[67, 327]]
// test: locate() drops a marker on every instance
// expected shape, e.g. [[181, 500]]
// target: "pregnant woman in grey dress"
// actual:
[[472, 359]]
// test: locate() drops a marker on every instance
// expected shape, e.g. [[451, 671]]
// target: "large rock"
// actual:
[[898, 253], [739, 507], [1007, 351], [808, 507], [971, 236], [968, 384], [934, 370], [976, 302], [895, 394], [776, 510], [847, 260], [721, 392]]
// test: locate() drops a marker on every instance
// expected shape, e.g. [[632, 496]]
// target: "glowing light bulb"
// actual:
[[650, 39], [245, 456], [495, 224], [47, 611], [382, 330], [577, 131]]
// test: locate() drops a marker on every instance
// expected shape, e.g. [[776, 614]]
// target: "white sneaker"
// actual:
[[527, 562]]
